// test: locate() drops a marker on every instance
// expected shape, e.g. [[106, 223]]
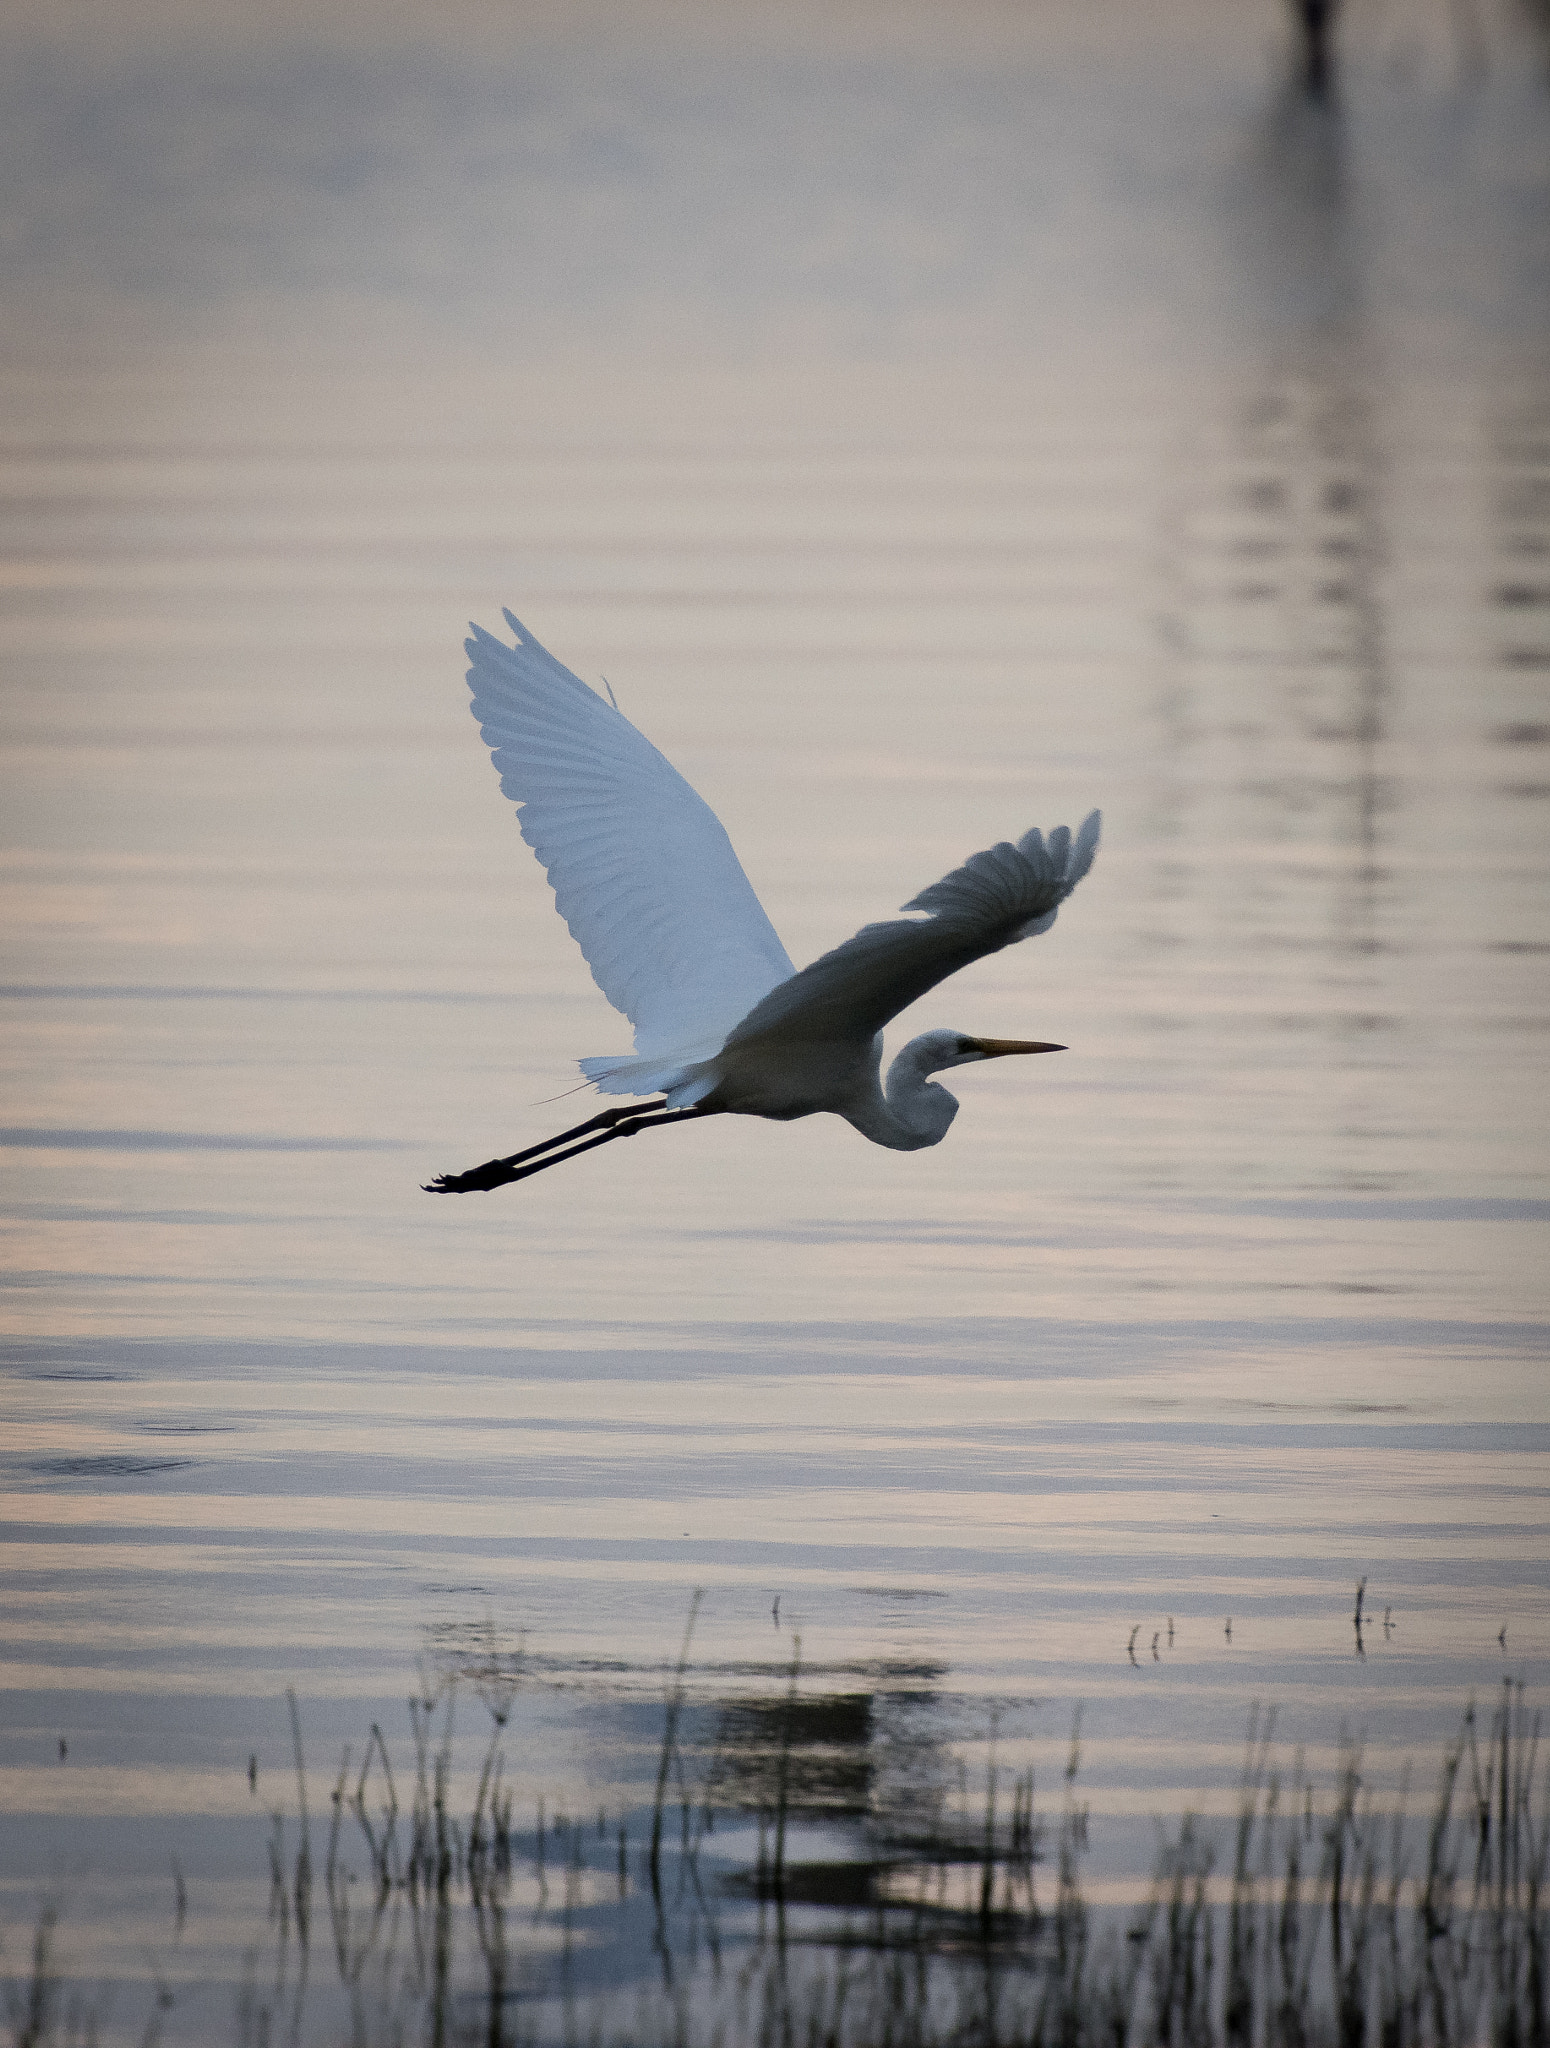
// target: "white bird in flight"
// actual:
[[646, 879]]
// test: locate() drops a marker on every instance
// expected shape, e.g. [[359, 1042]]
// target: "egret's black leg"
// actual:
[[494, 1173], [618, 1123]]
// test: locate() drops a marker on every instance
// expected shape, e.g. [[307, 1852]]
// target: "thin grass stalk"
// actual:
[[1242, 1933], [1536, 1987], [422, 1709], [1293, 1953], [35, 2023], [1398, 2007], [338, 1903], [1070, 1907], [303, 1878], [783, 1779], [669, 1736], [988, 1848], [382, 1850]]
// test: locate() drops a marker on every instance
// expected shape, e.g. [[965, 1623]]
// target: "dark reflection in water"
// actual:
[[833, 1862], [816, 1754], [1278, 686], [1291, 229], [1305, 528], [108, 1466], [785, 1817], [1354, 625], [1520, 594], [1316, 20]]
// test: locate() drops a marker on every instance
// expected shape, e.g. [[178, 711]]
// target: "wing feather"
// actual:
[[642, 871], [996, 898]]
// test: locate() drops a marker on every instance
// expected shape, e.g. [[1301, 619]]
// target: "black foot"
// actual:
[[478, 1179]]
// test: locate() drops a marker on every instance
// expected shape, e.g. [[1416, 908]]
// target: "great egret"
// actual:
[[653, 894]]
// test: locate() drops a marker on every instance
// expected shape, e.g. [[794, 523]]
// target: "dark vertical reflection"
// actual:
[[1535, 17], [1517, 717], [1308, 543], [1275, 677], [1316, 29], [1519, 597]]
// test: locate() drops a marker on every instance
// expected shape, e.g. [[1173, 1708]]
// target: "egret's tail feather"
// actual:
[[683, 1082]]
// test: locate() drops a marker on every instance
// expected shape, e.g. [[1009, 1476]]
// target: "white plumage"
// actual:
[[642, 871], [647, 881]]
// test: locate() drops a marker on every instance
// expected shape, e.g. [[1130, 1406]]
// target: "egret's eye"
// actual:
[[967, 1045]]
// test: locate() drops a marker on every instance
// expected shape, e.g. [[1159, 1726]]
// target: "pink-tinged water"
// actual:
[[928, 433]]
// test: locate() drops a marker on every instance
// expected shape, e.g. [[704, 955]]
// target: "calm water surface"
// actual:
[[927, 435]]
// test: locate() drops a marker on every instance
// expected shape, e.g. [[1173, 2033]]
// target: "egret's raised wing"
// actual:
[[641, 869], [997, 897]]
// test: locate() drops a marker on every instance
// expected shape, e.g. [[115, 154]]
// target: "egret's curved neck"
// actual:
[[913, 1111]]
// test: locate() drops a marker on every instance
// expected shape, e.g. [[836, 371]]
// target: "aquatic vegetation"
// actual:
[[956, 1915]]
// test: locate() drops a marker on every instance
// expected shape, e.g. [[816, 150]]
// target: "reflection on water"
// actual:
[[926, 433], [1521, 596], [816, 1855]]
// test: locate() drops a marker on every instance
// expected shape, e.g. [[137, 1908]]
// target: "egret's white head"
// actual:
[[921, 1110], [936, 1050]]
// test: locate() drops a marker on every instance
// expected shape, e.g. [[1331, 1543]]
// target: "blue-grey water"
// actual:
[[930, 425]]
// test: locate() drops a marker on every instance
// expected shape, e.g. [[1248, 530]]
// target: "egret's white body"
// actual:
[[646, 879]]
